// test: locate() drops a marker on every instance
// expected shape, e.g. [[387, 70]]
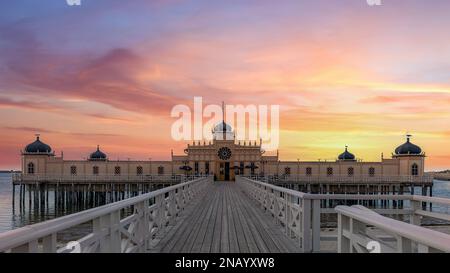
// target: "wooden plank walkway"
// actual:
[[225, 220]]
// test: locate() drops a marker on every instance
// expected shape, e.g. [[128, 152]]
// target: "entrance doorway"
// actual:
[[224, 171], [227, 171]]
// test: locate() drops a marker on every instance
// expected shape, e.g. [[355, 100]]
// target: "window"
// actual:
[[308, 171], [160, 170], [73, 170], [117, 170], [196, 167], [206, 167], [287, 171], [329, 171], [371, 171], [241, 168], [95, 170], [139, 170], [31, 168], [414, 169], [350, 171]]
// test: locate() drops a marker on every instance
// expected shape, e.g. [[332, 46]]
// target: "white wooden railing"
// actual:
[[354, 235], [102, 178], [112, 229], [289, 208], [299, 213]]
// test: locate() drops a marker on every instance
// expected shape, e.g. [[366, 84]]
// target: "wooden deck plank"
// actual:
[[194, 236], [270, 232], [205, 246], [217, 233], [224, 236], [243, 240], [233, 241], [168, 240], [225, 220], [249, 238]]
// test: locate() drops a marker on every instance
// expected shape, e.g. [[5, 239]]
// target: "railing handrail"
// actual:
[[313, 196], [415, 233], [347, 178], [18, 177], [12, 238]]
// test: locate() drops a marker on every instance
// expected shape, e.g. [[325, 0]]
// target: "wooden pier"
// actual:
[[225, 220], [248, 215]]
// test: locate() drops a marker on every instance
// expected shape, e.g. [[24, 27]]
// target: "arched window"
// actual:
[[287, 171], [414, 169], [95, 170], [73, 170], [117, 170], [308, 171], [350, 171], [329, 171], [31, 168], [139, 170], [371, 171], [160, 170]]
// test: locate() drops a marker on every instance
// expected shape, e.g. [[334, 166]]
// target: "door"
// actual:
[[227, 171]]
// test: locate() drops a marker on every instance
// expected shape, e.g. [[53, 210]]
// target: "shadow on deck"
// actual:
[[224, 220]]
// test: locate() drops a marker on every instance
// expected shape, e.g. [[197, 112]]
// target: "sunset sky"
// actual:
[[108, 72]]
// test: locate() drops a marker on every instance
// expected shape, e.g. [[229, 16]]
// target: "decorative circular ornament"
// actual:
[[224, 153]]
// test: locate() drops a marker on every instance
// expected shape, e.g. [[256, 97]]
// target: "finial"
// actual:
[[346, 147], [98, 147], [408, 136], [37, 136]]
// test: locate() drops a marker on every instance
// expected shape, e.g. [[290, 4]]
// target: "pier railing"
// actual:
[[339, 179], [113, 230], [300, 213], [101, 178], [354, 235]]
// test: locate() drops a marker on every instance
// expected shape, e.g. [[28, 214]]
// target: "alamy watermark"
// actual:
[[227, 122]]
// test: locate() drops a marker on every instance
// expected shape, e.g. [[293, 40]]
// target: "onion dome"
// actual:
[[223, 131], [408, 148], [38, 147], [346, 155], [222, 127], [98, 155]]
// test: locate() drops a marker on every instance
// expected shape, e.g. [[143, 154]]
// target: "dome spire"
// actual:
[[408, 136]]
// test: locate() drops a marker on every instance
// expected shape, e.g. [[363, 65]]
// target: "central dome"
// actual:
[[346, 155], [38, 147], [222, 127], [223, 131], [98, 155]]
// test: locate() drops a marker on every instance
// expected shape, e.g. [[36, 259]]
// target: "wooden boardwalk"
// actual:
[[225, 220]]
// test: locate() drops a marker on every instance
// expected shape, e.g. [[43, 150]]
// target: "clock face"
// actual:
[[224, 153]]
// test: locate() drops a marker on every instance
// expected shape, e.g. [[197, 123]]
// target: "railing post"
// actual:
[[101, 224], [343, 226], [306, 245], [316, 225], [404, 245], [115, 236], [49, 243], [414, 218]]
